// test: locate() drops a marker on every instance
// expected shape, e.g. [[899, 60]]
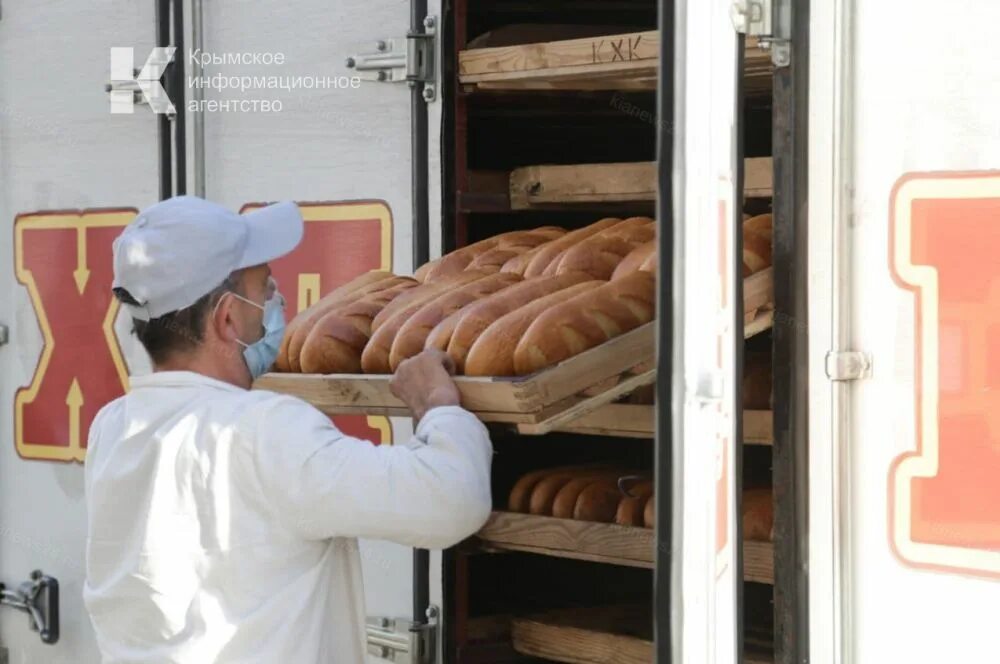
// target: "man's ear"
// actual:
[[221, 324]]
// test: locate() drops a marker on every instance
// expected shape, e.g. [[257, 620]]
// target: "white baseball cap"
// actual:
[[180, 249]]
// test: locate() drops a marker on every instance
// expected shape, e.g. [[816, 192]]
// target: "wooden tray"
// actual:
[[537, 399], [562, 186], [593, 635], [611, 62], [546, 400], [639, 421], [599, 542]]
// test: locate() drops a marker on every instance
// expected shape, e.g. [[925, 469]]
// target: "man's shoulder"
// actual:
[[273, 409]]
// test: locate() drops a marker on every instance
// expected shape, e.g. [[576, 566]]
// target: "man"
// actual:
[[222, 521]]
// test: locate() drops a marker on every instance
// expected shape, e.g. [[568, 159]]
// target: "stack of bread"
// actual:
[[608, 494], [512, 304], [509, 305]]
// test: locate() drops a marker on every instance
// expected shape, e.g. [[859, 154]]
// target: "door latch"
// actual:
[[409, 59], [4, 335], [848, 365], [767, 20], [39, 598], [401, 641]]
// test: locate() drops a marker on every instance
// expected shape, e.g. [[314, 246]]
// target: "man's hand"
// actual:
[[424, 381]]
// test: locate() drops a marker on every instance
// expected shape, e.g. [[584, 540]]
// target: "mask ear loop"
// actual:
[[215, 310]]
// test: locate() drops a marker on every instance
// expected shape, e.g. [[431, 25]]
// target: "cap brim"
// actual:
[[273, 232]]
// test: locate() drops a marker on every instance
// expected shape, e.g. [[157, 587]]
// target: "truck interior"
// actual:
[[511, 595]]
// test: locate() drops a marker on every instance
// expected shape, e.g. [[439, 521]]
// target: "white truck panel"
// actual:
[[923, 100]]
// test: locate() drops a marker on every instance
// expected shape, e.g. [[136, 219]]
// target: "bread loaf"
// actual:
[[758, 515], [495, 258], [520, 494], [756, 244], [327, 303], [544, 492], [492, 353], [459, 260], [629, 512], [413, 333], [634, 260], [425, 293], [548, 252], [471, 321], [335, 342], [636, 230], [565, 500], [598, 502], [762, 223], [375, 358], [649, 512], [597, 256], [282, 363], [586, 320]]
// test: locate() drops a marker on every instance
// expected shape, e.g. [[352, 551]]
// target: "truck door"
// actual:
[[904, 240], [284, 118], [706, 328], [338, 139], [71, 175]]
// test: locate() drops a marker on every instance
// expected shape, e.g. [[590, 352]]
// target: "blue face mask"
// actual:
[[260, 355]]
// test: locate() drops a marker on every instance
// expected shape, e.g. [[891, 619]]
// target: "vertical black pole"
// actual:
[[663, 600], [421, 253], [180, 126], [790, 461], [162, 122]]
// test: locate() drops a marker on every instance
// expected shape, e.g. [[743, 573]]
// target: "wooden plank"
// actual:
[[576, 374], [762, 321], [554, 186], [370, 393], [590, 635], [758, 177], [616, 419], [639, 421], [758, 427], [588, 55], [576, 184], [562, 414], [566, 538], [608, 62], [594, 635], [606, 543], [758, 562]]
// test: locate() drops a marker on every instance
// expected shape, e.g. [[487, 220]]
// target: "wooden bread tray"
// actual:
[[611, 62], [599, 542], [639, 421], [544, 399], [561, 186], [622, 634]]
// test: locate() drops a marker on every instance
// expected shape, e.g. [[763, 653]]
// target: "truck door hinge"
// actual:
[[848, 365], [39, 598], [409, 59], [401, 641], [767, 20]]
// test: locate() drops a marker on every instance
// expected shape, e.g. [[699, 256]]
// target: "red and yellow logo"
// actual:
[[341, 241], [944, 498], [63, 259]]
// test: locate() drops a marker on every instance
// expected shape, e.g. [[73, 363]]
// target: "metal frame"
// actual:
[[670, 322], [790, 358]]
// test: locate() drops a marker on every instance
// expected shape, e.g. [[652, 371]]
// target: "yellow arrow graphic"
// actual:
[[81, 274], [74, 399]]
